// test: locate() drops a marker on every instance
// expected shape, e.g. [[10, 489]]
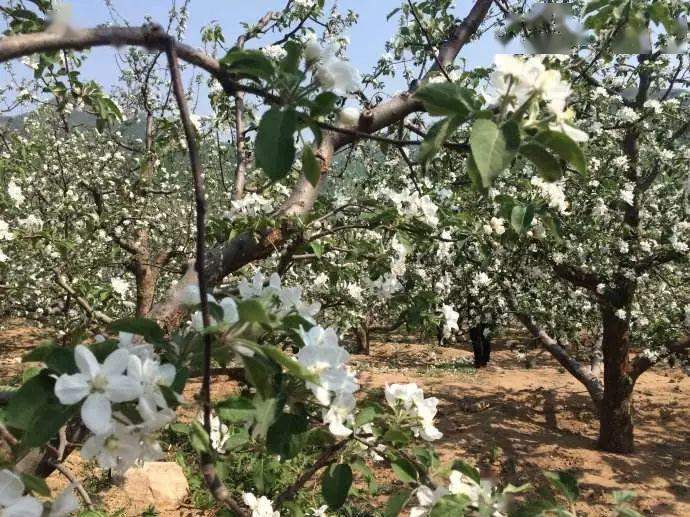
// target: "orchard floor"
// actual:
[[511, 420]]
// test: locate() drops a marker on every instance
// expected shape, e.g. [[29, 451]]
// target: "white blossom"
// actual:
[[12, 501], [260, 507], [98, 385]]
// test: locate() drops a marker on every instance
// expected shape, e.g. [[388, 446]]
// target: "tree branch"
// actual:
[[590, 382], [62, 281], [642, 362]]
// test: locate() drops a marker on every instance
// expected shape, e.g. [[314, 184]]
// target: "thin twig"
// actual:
[[211, 477], [62, 281], [75, 484], [427, 36], [326, 458], [7, 436]]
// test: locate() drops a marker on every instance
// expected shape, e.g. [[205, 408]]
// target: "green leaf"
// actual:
[[35, 485], [317, 248], [260, 373], [310, 166], [252, 311], [336, 484], [323, 104], [474, 175], [237, 439], [58, 358], [521, 217], [250, 63], [450, 505], [565, 147], [493, 148], [283, 436], [468, 470], [367, 474], [366, 415], [267, 411], [199, 438], [275, 143], [290, 364], [547, 165], [436, 137], [28, 399], [446, 99], [290, 63], [565, 483], [396, 503], [405, 470], [46, 423], [146, 328], [103, 349], [236, 410]]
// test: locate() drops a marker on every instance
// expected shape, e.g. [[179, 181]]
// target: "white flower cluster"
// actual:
[[15, 193], [324, 357], [251, 205], [286, 299], [479, 494], [552, 192], [332, 73], [5, 233], [260, 506], [411, 204], [13, 502], [130, 373], [450, 316], [119, 285], [274, 52], [410, 406], [496, 225], [517, 81], [627, 193]]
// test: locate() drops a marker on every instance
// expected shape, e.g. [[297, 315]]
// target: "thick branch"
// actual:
[[151, 36], [643, 362], [578, 371]]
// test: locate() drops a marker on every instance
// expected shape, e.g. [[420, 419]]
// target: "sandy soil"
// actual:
[[515, 421], [511, 420]]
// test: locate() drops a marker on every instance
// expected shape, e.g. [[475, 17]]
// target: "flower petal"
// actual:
[[86, 361], [96, 413], [26, 506], [11, 487], [70, 389], [65, 504], [116, 362], [135, 368], [166, 374], [122, 388]]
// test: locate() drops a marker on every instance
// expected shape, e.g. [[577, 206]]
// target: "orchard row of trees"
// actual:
[[549, 190]]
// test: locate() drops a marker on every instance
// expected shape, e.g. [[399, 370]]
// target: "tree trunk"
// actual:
[[481, 345], [616, 412], [362, 335], [146, 278]]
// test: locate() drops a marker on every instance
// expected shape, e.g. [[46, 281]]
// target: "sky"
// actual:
[[367, 37]]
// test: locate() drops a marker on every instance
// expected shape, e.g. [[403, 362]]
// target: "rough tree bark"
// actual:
[[616, 410]]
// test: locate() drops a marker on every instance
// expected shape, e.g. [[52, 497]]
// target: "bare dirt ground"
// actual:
[[514, 421], [510, 420]]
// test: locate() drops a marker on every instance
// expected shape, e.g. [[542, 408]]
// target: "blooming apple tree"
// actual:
[[354, 230]]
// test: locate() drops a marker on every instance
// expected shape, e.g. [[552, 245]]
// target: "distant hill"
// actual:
[[131, 128]]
